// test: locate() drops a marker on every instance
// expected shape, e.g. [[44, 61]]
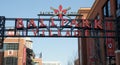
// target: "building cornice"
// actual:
[[92, 8]]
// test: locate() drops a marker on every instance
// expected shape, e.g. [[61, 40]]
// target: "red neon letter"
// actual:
[[86, 32], [64, 21], [85, 23], [43, 32], [59, 34], [20, 23], [52, 22], [74, 23], [98, 24], [31, 23], [42, 24], [76, 33], [50, 33], [68, 33], [35, 31]]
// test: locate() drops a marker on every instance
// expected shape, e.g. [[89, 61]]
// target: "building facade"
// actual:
[[1, 56], [82, 42], [16, 51], [99, 51]]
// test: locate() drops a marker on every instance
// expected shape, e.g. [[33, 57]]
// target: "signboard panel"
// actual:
[[110, 43]]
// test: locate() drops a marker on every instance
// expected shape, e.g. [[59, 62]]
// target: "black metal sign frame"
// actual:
[[71, 28]]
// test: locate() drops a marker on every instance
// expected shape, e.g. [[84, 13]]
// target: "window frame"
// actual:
[[11, 46], [118, 4], [10, 61], [107, 9]]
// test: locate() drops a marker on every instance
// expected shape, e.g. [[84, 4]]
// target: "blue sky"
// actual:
[[60, 49]]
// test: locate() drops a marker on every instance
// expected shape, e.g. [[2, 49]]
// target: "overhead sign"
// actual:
[[71, 29], [56, 24]]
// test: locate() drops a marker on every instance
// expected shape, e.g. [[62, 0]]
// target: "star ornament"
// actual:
[[60, 11]]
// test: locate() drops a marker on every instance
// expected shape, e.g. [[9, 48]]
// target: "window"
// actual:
[[11, 46], [97, 17], [10, 61], [106, 9], [118, 4]]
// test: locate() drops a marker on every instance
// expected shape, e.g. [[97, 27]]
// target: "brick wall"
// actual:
[[1, 58]]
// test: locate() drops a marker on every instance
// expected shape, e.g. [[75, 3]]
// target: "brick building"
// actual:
[[16, 51], [82, 49], [1, 54], [97, 51]]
